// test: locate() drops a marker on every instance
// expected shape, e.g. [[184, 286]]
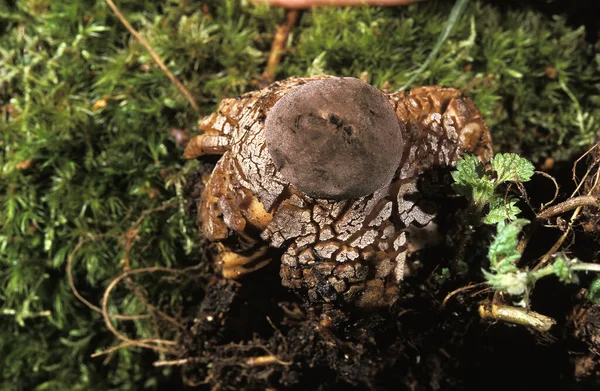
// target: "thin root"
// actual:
[[71, 280], [154, 344], [172, 363], [556, 188], [462, 289], [574, 175]]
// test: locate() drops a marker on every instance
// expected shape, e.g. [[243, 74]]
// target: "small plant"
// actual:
[[479, 184], [506, 276]]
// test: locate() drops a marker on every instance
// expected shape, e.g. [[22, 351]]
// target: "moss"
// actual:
[[85, 147], [535, 79]]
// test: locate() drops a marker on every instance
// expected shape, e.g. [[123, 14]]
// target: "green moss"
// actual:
[[502, 60], [71, 168]]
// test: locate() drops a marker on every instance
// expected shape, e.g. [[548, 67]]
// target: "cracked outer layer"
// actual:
[[348, 251]]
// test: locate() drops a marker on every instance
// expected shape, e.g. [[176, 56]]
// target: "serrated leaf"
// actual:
[[503, 250], [483, 191], [468, 170], [503, 255], [470, 181], [515, 283], [594, 291], [501, 210], [512, 167], [562, 270]]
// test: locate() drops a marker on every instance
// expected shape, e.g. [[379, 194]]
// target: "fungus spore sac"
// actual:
[[335, 173]]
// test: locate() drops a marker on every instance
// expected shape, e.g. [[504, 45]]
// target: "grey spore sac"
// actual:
[[337, 138]]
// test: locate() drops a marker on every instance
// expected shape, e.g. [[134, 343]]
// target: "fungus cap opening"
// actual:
[[336, 138]]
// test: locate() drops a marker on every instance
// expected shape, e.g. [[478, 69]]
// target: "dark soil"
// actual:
[[418, 344]]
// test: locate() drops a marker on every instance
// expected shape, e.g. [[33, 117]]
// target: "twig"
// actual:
[[154, 56], [278, 48], [568, 205], [575, 214], [171, 363], [515, 315], [266, 360]]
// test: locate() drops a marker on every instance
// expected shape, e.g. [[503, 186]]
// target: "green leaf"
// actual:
[[503, 255], [514, 283], [470, 180], [503, 250], [563, 271], [443, 276], [594, 291], [468, 170], [483, 191], [501, 210], [512, 167]]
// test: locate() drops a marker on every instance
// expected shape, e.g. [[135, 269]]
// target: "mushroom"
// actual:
[[337, 138], [336, 174]]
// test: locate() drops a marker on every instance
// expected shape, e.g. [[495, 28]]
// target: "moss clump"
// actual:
[[536, 80], [85, 147]]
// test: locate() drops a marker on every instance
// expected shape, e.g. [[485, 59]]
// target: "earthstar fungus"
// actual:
[[337, 175]]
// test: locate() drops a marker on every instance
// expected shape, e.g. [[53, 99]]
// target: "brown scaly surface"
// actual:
[[350, 251]]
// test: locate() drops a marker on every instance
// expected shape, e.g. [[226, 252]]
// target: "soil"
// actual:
[[255, 334]]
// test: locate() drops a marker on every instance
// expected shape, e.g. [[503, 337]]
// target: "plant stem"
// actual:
[[549, 270], [587, 267], [154, 56], [11, 312], [453, 18]]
